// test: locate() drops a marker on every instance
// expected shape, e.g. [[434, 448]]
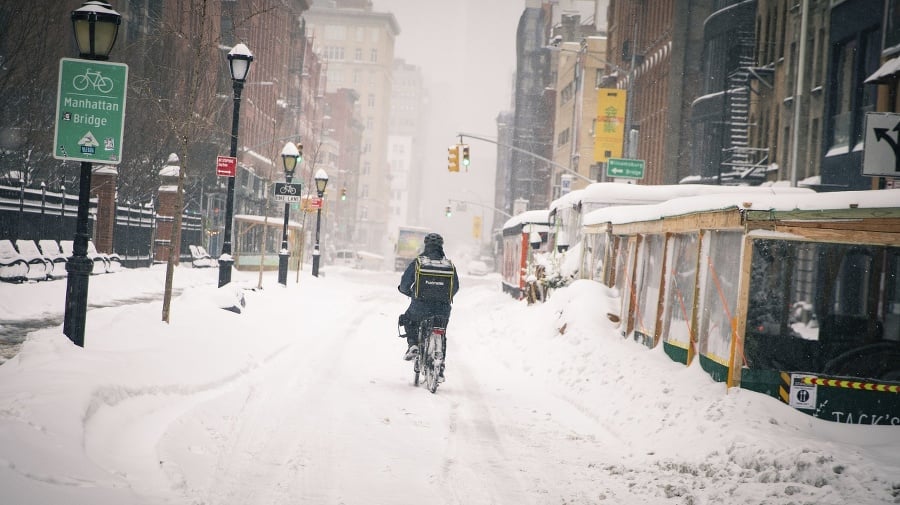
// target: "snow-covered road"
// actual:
[[304, 399]]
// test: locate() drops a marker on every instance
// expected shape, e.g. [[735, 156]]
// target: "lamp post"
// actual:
[[239, 59], [289, 157], [95, 25], [321, 182]]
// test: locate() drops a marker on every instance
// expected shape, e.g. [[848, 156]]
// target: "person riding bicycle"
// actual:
[[431, 282]]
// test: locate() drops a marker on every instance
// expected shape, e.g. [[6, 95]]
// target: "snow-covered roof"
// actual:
[[614, 193], [570, 199], [528, 217], [886, 72], [759, 201]]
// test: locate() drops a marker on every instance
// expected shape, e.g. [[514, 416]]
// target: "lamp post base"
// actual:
[[225, 271], [78, 270], [283, 268], [315, 265]]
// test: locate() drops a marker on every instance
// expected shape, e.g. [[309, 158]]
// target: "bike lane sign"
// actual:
[[287, 192], [90, 111]]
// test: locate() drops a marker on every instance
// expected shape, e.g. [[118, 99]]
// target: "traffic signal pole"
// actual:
[[495, 209], [529, 153]]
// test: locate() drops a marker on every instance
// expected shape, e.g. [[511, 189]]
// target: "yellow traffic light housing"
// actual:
[[447, 211], [453, 158], [343, 193]]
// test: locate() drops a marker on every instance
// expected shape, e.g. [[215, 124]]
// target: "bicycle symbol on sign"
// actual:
[[94, 79], [288, 190]]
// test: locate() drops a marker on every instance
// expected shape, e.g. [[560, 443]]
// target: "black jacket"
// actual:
[[419, 309]]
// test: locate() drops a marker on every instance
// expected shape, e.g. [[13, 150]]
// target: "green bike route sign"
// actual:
[[90, 111]]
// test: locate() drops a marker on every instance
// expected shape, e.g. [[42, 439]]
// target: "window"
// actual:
[[373, 56], [335, 77], [563, 138], [371, 100], [720, 270], [843, 94], [357, 54], [334, 53], [335, 32], [823, 308]]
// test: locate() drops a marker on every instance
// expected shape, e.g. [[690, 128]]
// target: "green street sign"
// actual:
[[90, 111], [627, 168]]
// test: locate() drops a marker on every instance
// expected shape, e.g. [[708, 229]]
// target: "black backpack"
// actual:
[[434, 280]]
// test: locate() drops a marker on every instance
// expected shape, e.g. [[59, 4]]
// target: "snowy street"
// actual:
[[304, 399]]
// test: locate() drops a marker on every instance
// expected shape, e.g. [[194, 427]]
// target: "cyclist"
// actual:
[[431, 282]]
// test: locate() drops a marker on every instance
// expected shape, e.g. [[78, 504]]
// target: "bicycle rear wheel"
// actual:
[[433, 360]]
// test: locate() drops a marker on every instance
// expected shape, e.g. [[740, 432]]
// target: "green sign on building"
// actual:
[[90, 111], [627, 168]]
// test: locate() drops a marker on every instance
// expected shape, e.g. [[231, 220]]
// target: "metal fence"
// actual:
[[38, 214]]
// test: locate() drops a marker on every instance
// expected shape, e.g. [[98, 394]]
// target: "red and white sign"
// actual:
[[226, 166], [315, 203]]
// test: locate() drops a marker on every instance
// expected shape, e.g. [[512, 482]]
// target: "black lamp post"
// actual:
[[289, 157], [239, 59], [321, 182], [95, 25]]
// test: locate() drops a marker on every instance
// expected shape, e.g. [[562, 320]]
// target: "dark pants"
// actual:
[[416, 313]]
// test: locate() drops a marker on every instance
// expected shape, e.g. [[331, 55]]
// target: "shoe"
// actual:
[[441, 376], [402, 335], [411, 353]]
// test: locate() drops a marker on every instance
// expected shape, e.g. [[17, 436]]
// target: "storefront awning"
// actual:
[[886, 73]]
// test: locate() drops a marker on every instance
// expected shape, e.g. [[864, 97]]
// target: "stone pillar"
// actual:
[[166, 208], [103, 188]]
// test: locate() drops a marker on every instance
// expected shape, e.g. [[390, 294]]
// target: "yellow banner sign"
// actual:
[[609, 128]]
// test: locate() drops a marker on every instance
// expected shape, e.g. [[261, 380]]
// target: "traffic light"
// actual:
[[465, 155], [300, 150], [343, 193], [453, 158], [447, 211]]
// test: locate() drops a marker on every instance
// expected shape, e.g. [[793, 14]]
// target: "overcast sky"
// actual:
[[467, 52]]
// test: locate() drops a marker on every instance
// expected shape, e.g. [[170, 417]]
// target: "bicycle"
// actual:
[[429, 361], [94, 79]]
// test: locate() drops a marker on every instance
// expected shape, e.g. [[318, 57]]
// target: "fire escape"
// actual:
[[741, 163]]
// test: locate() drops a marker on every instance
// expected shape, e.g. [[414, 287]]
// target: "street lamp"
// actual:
[[95, 25], [321, 182], [239, 59], [289, 157]]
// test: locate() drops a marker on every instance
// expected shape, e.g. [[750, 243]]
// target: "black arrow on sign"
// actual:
[[881, 134]]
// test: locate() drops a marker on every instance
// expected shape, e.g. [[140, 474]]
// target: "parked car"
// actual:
[[477, 267], [347, 257]]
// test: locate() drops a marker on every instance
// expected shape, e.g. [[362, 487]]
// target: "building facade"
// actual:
[[660, 48], [532, 131], [357, 45], [409, 102]]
